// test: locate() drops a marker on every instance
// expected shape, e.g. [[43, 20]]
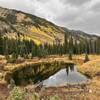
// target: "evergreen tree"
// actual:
[[98, 46], [66, 46], [86, 58]]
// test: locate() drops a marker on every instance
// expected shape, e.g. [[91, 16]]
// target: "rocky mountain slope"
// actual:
[[16, 24]]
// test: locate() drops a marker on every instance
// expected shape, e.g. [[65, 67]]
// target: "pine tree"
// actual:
[[86, 58], [98, 46], [71, 45]]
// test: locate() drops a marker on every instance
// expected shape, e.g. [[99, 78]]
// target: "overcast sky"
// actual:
[[74, 14]]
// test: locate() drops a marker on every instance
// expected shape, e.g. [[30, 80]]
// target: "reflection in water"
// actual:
[[70, 69], [67, 75]]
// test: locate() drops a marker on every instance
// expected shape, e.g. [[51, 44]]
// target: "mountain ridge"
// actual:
[[17, 23]]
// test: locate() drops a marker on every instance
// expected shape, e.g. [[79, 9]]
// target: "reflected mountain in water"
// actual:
[[64, 76]]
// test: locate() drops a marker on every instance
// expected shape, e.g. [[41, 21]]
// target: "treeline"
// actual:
[[24, 48], [72, 45], [77, 45]]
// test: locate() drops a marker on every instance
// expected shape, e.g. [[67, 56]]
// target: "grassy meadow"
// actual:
[[91, 69]]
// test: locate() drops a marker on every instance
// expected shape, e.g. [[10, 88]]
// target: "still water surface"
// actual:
[[67, 75]]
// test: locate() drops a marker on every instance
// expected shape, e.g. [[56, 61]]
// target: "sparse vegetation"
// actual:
[[19, 94]]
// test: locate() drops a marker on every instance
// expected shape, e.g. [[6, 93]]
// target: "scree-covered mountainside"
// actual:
[[15, 24]]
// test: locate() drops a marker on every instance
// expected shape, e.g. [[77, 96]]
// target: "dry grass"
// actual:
[[91, 68], [2, 57]]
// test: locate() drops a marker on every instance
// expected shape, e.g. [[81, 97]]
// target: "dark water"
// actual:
[[68, 75]]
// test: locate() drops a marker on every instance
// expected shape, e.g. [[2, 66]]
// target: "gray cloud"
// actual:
[[76, 2], [96, 7], [74, 14]]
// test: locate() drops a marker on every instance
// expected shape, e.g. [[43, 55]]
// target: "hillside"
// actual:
[[15, 24]]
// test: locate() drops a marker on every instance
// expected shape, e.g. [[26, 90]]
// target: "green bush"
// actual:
[[16, 94], [54, 98]]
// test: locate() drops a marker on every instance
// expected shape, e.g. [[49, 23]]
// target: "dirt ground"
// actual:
[[4, 92]]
